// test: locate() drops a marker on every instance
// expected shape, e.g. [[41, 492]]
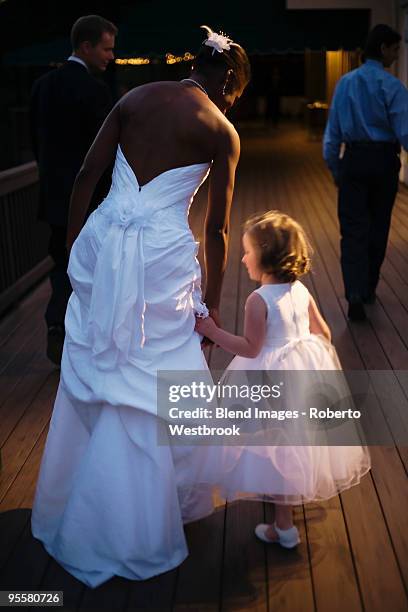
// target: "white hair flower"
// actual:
[[219, 42]]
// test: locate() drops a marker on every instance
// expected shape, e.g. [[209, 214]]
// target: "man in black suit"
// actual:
[[68, 106]]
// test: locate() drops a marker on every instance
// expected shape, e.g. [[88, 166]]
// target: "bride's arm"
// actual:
[[221, 188], [98, 158]]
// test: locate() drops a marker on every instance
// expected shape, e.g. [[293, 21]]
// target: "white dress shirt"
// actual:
[[74, 58]]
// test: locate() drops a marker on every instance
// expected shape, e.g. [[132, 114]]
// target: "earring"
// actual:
[[224, 89]]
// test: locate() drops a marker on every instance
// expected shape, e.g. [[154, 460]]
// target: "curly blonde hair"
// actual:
[[283, 247]]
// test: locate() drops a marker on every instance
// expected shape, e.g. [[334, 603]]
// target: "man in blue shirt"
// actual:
[[369, 113]]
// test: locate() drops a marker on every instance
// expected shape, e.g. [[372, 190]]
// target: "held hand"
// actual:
[[206, 328], [206, 341]]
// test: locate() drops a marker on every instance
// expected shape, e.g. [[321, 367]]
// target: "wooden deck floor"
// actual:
[[354, 550]]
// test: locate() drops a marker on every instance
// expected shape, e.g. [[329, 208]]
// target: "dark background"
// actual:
[[34, 38]]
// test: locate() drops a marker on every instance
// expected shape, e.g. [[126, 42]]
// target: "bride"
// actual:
[[110, 500]]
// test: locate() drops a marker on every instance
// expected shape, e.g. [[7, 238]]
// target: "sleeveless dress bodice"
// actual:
[[288, 342], [127, 221], [287, 312]]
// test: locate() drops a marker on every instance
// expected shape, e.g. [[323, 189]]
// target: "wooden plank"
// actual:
[[21, 386], [111, 595], [363, 334], [377, 569], [23, 310], [390, 416], [23, 284], [332, 563], [403, 296], [244, 585], [231, 311], [56, 578], [319, 592], [395, 311], [19, 445], [391, 283], [395, 304], [368, 349], [334, 572], [391, 470], [289, 575], [27, 564], [392, 264], [24, 341], [392, 493], [12, 526], [154, 594], [244, 568], [250, 513], [21, 493], [290, 583], [199, 577], [21, 381]]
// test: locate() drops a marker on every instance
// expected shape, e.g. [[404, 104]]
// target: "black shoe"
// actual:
[[356, 312], [370, 298], [55, 343]]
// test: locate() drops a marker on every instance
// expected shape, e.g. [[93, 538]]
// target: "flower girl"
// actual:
[[283, 330]]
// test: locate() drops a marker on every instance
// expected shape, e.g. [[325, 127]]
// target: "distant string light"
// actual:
[[143, 61], [318, 104], [133, 61], [176, 59]]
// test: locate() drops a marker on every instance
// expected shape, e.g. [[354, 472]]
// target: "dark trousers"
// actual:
[[368, 184], [60, 285]]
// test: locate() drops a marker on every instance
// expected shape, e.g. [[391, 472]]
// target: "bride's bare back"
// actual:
[[167, 125]]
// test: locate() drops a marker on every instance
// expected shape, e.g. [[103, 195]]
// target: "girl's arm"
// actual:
[[317, 324], [248, 345]]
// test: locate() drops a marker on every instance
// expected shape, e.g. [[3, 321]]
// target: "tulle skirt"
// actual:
[[280, 472]]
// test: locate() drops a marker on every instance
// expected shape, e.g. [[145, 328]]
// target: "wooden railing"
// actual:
[[23, 239]]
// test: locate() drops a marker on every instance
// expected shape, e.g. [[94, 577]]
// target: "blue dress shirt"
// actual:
[[369, 103]]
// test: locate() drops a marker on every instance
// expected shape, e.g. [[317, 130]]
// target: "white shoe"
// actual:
[[288, 538]]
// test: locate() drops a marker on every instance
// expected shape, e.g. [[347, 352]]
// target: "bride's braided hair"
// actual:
[[283, 247], [234, 58]]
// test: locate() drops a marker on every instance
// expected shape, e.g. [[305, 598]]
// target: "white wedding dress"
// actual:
[[110, 500]]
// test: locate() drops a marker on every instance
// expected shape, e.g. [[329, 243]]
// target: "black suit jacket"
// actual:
[[68, 106]]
